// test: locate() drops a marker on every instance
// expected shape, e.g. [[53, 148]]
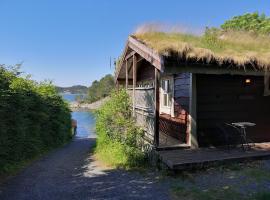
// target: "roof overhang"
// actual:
[[133, 47]]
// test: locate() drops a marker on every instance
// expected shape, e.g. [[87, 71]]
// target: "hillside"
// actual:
[[76, 89], [100, 89]]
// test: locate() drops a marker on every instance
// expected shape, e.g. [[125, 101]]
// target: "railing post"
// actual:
[[126, 74], [157, 81], [134, 66]]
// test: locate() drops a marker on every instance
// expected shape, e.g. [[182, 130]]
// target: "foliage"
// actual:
[[75, 89], [210, 194], [118, 141], [222, 47], [33, 119], [220, 193], [253, 22], [100, 89]]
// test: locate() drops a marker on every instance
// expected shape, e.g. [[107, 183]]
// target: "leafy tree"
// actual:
[[100, 89], [253, 22]]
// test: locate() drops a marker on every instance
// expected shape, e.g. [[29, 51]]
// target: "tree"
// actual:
[[100, 89], [252, 22]]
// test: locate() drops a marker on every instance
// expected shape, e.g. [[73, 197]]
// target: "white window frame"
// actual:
[[167, 109]]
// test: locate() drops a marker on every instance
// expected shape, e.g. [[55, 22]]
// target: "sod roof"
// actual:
[[236, 48]]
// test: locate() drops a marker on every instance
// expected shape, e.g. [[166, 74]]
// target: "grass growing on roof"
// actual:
[[215, 45]]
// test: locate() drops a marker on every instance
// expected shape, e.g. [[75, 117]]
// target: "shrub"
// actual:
[[33, 119], [253, 22], [118, 141]]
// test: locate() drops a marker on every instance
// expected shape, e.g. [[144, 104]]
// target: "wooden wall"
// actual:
[[226, 98], [145, 71]]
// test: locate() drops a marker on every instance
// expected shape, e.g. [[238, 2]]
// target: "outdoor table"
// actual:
[[242, 129]]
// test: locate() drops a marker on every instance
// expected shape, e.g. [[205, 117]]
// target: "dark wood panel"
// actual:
[[146, 71], [181, 81], [225, 98], [181, 87]]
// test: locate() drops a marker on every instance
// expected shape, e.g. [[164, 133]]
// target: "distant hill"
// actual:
[[76, 89], [100, 88]]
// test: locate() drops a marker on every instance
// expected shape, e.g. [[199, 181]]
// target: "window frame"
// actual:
[[169, 108]]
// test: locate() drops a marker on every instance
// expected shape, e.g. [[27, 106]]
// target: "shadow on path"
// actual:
[[71, 173]]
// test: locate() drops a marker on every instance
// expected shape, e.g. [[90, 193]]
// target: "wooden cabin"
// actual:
[[180, 91]]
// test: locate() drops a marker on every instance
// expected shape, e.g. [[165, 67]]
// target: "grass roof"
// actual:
[[238, 48]]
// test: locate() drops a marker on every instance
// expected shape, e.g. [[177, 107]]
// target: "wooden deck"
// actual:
[[189, 158]]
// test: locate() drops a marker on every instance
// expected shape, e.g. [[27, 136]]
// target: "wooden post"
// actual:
[[134, 66], [117, 86], [126, 74], [192, 140], [157, 80]]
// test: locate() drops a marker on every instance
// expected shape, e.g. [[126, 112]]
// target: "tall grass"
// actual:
[[222, 46], [118, 141]]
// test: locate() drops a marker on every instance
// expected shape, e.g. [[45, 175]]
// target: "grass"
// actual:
[[234, 47], [224, 193], [246, 176], [211, 194], [257, 174]]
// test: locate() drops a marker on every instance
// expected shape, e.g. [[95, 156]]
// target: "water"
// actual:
[[71, 97], [85, 119]]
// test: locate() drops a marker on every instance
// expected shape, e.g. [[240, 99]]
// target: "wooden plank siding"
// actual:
[[146, 71], [226, 98]]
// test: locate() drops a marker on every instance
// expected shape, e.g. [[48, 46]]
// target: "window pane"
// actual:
[[165, 100]]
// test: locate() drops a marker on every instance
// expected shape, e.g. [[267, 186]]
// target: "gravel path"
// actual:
[[71, 173]]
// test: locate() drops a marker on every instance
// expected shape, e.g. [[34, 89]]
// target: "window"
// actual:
[[167, 93]]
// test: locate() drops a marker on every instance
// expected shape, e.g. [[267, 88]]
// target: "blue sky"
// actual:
[[71, 41]]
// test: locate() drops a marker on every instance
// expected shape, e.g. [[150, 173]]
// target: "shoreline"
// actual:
[[77, 106]]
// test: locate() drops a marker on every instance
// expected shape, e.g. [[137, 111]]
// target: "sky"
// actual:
[[71, 41]]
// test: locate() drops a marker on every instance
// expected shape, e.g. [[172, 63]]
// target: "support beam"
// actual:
[[134, 66], [126, 74], [209, 69], [192, 128], [130, 55], [157, 82]]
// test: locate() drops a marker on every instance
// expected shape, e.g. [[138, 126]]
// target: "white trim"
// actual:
[[167, 109], [192, 126]]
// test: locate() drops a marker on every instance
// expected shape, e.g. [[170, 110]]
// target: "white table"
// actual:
[[242, 129]]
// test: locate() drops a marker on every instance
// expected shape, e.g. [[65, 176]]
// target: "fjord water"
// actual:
[[85, 119]]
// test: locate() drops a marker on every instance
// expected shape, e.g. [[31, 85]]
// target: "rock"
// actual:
[[88, 106]]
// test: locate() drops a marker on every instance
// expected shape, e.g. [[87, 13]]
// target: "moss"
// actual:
[[215, 45]]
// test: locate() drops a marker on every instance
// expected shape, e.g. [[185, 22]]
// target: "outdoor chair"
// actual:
[[229, 135]]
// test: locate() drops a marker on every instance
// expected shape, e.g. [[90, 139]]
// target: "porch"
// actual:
[[188, 158]]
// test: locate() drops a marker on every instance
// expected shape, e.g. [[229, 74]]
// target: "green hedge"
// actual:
[[33, 119], [119, 140]]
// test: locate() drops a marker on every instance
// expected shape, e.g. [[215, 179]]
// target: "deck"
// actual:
[[189, 158]]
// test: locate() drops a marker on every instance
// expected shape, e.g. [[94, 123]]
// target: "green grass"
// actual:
[[225, 193], [239, 47], [256, 174], [194, 193]]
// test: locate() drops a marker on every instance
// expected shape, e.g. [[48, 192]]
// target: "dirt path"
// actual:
[[71, 173]]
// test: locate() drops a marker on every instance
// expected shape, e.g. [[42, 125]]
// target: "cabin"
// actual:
[[182, 89]]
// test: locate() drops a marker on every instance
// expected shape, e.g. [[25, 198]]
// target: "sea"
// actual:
[[85, 119]]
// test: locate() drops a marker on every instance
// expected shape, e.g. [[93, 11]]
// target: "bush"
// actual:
[[118, 141], [33, 119], [253, 22]]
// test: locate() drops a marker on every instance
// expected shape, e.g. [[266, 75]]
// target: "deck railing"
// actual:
[[144, 109]]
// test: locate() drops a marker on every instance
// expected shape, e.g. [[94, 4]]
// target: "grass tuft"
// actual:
[[235, 47]]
